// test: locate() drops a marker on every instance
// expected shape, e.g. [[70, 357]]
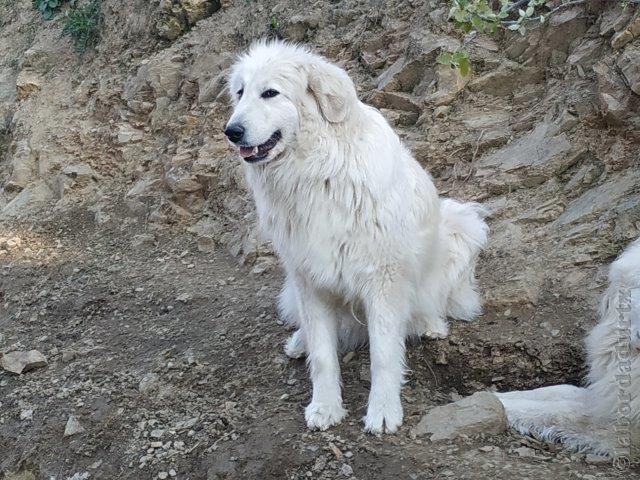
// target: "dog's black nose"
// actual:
[[234, 132]]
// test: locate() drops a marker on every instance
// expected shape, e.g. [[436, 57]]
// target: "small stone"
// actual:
[[148, 383], [26, 414], [346, 470], [163, 475], [157, 433], [335, 450], [73, 426], [348, 357], [172, 473], [596, 459], [525, 452], [21, 362]]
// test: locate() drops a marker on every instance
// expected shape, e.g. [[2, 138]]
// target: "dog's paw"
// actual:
[[437, 328], [295, 347], [383, 416], [320, 416]]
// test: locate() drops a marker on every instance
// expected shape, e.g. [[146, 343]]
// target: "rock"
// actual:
[[33, 196], [450, 83], [169, 27], [27, 83], [346, 470], [587, 53], [163, 475], [143, 240], [629, 64], [503, 81], [206, 244], [395, 101], [627, 35], [22, 362], [128, 134], [148, 383], [298, 27], [196, 10], [615, 196], [26, 414], [73, 426], [406, 73], [482, 412], [23, 166], [528, 161]]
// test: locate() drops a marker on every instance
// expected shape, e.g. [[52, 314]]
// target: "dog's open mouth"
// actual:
[[260, 152]]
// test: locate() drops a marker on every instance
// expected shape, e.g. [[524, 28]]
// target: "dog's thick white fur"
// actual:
[[604, 415], [371, 253]]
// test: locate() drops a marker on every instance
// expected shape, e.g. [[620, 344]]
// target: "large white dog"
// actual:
[[371, 253], [603, 417]]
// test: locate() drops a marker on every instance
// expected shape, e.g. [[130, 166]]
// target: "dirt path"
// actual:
[[171, 360]]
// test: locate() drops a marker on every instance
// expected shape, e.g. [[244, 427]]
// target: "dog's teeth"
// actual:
[[255, 151]]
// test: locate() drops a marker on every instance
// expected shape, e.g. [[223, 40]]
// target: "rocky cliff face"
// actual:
[[544, 132]]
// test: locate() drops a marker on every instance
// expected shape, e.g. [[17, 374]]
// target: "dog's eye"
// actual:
[[270, 93], [240, 92]]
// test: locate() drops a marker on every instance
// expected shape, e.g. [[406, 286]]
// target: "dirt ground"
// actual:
[[171, 359]]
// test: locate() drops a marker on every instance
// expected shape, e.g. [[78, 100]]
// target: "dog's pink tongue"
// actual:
[[247, 151]]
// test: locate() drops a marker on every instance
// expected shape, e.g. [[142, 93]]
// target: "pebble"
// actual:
[[163, 475], [73, 426], [346, 470]]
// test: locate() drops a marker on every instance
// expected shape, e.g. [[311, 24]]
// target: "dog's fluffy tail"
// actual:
[[465, 234], [559, 414]]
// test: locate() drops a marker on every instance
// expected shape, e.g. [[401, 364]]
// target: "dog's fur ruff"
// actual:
[[371, 253], [591, 419]]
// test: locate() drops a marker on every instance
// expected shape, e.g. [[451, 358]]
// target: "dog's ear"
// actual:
[[333, 90]]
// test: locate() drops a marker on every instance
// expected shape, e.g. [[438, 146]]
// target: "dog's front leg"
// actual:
[[320, 329], [387, 314]]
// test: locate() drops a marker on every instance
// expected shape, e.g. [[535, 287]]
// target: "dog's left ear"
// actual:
[[333, 90]]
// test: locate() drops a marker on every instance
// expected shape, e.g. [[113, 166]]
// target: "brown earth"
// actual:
[[128, 254]]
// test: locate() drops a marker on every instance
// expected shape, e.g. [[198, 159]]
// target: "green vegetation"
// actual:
[[82, 24], [488, 16], [47, 7]]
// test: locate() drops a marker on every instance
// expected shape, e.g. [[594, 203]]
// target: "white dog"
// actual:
[[369, 250], [604, 417]]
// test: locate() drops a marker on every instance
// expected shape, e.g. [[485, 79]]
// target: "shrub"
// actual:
[[47, 7], [82, 23]]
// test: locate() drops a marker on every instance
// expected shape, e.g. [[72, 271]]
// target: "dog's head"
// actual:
[[276, 89]]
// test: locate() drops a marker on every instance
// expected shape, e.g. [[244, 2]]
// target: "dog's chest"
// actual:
[[318, 227]]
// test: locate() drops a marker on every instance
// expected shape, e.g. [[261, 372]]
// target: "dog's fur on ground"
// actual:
[[606, 413], [371, 253]]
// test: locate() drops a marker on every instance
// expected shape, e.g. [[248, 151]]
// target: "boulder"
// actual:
[[22, 362], [481, 413]]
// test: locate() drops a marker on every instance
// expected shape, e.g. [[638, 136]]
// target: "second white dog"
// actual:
[[371, 253]]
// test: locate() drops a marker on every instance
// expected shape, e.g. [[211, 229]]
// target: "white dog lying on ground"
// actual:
[[371, 253], [604, 417]]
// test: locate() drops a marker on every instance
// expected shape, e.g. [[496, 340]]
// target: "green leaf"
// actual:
[[465, 66], [513, 26]]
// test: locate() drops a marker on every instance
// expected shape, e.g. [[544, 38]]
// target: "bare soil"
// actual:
[[226, 402]]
